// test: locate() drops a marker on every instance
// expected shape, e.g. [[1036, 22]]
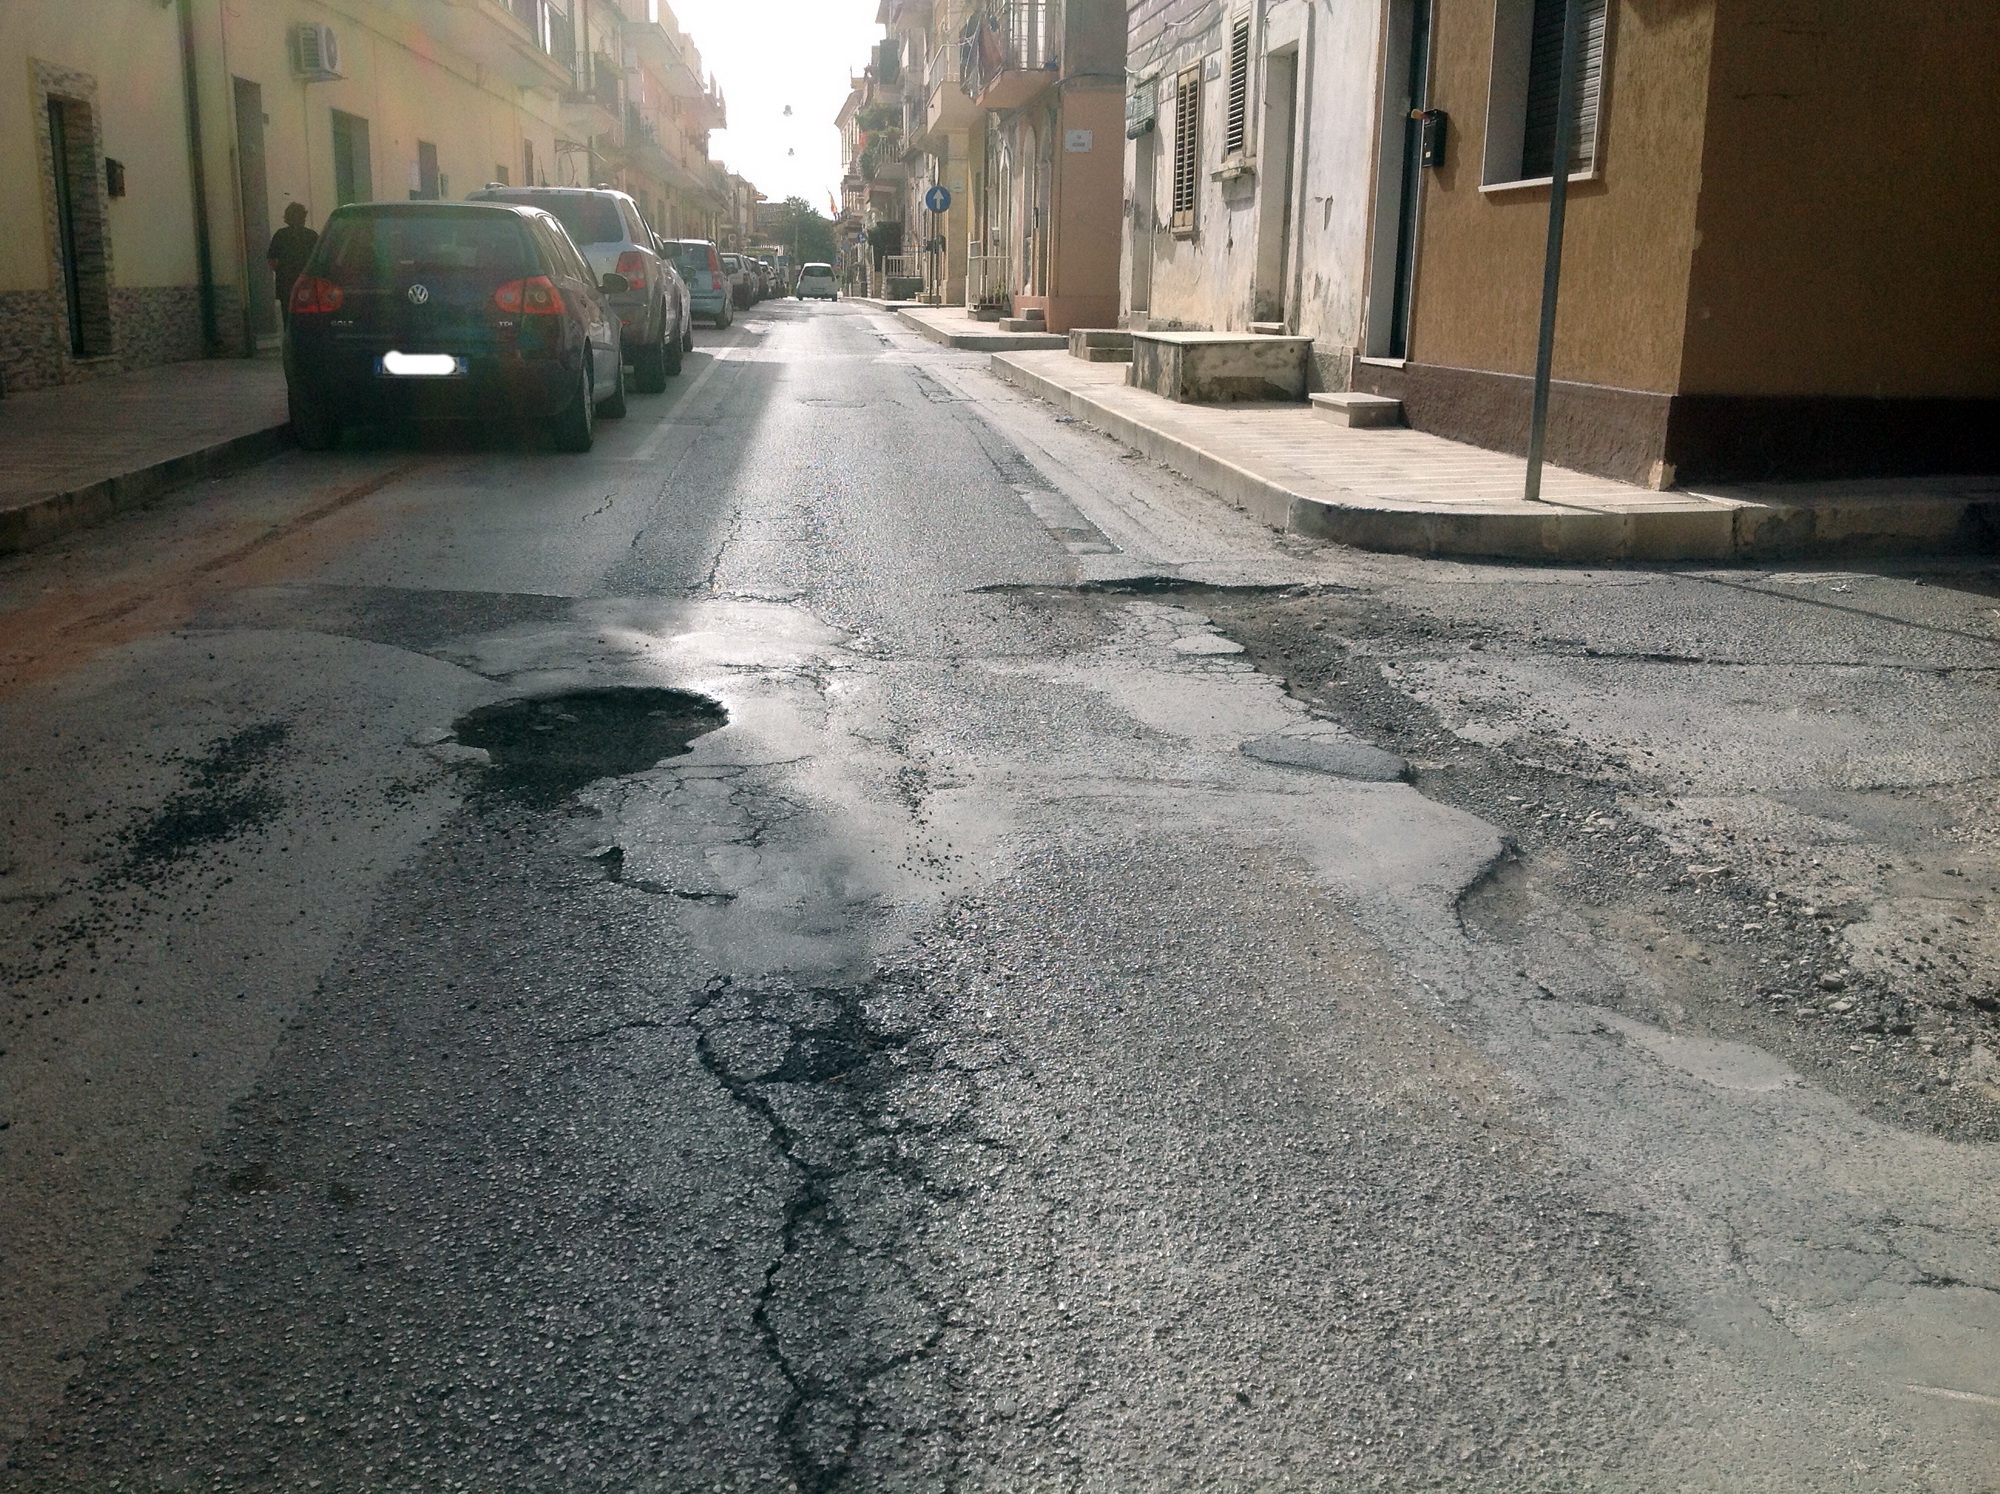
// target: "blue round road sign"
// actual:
[[938, 200]]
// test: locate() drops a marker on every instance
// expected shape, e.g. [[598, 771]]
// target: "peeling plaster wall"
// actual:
[[1209, 281]]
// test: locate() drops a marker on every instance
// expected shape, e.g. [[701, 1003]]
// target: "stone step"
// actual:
[[1268, 329], [1353, 408], [1214, 368], [1100, 344], [1022, 324]]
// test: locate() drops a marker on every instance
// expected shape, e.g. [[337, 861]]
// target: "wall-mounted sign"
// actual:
[[1077, 142]]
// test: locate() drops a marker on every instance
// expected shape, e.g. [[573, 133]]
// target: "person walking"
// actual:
[[290, 247]]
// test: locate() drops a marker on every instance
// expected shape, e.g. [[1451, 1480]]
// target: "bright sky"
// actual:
[[770, 54]]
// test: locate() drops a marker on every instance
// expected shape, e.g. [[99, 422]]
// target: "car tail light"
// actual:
[[715, 283], [313, 296], [535, 296], [632, 265]]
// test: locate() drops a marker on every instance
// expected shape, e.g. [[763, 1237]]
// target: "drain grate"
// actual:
[[545, 748]]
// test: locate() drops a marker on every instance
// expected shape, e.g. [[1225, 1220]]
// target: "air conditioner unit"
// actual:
[[315, 53]]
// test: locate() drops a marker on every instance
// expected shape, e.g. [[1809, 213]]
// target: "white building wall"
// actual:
[[1210, 280]]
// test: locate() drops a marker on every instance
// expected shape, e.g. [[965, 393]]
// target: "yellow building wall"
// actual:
[[132, 49], [1850, 206], [1630, 234], [406, 84]]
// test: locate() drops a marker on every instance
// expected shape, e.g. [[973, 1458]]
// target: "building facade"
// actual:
[[1049, 78], [875, 173], [155, 147], [1780, 259], [100, 269], [1252, 146], [942, 133]]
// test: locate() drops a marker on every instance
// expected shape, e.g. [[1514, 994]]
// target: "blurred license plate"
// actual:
[[422, 365]]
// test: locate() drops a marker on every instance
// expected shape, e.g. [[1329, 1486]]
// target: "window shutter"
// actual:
[[1538, 138], [1236, 134], [1187, 147]]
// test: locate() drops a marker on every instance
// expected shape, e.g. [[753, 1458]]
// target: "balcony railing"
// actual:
[[1009, 51]]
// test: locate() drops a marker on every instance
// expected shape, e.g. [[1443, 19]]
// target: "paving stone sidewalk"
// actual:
[[72, 455], [1392, 488]]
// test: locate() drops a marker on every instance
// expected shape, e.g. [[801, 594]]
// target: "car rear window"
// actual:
[[589, 219], [696, 257], [362, 247]]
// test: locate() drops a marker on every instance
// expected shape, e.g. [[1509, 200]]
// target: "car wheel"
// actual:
[[687, 336], [649, 368], [613, 406], [670, 354], [312, 426], [575, 429]]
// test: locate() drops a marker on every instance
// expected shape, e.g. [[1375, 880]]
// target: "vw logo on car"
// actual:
[[419, 294]]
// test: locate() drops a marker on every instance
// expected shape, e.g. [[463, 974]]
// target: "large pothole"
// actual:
[[545, 748]]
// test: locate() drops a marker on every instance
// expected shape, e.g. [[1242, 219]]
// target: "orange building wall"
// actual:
[[1088, 204], [1850, 207], [1622, 310]]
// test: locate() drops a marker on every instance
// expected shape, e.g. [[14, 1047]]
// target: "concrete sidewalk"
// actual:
[[955, 328], [72, 455], [1403, 490]]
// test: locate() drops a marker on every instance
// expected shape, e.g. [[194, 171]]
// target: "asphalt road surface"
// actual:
[[861, 937]]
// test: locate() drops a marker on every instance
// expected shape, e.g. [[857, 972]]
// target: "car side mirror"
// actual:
[[614, 284]]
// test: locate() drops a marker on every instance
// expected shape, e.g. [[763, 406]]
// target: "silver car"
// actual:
[[607, 226]]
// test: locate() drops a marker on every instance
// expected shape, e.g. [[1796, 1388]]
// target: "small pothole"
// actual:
[[545, 748]]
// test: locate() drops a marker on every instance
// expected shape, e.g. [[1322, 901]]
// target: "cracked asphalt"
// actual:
[[861, 937]]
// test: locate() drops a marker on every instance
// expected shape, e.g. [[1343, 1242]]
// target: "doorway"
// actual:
[[353, 170], [1145, 170], [254, 192], [1399, 179], [1274, 208], [80, 227]]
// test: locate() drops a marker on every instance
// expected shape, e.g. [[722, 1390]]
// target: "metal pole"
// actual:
[[1545, 345], [204, 255]]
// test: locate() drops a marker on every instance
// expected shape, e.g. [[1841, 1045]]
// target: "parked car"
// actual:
[[452, 310], [607, 226], [816, 280], [700, 265], [737, 272]]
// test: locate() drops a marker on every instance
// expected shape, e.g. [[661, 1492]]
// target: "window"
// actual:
[[378, 247], [1187, 150], [353, 176], [1521, 103], [635, 229], [1236, 127], [527, 163]]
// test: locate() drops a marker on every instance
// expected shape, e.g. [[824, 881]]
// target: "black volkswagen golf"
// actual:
[[451, 311]]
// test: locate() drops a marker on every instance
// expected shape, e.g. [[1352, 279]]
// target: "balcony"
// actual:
[[669, 54], [946, 106], [1010, 51], [708, 110], [597, 103], [527, 43]]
